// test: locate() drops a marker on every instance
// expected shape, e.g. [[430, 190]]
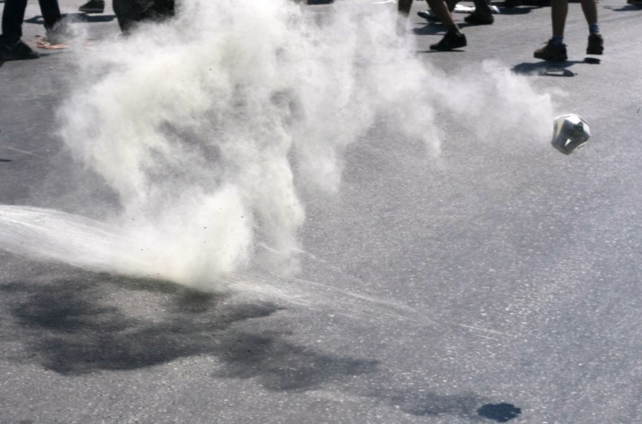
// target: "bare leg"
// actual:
[[595, 40], [589, 7], [441, 11], [559, 10], [453, 39]]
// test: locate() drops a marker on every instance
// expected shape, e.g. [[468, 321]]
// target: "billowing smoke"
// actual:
[[208, 127]]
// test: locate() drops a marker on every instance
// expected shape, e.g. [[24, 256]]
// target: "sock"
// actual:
[[594, 29], [453, 29], [558, 40]]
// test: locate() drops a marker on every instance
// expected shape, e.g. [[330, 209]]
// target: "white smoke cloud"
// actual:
[[207, 125]]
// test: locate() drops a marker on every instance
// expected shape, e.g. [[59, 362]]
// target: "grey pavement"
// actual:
[[499, 282]]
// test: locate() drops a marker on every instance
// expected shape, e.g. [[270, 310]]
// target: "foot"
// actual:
[[552, 52], [18, 51], [595, 44], [450, 41], [93, 6], [428, 15], [59, 34], [479, 19]]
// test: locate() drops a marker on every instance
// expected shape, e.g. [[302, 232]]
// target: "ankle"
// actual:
[[557, 40], [453, 29]]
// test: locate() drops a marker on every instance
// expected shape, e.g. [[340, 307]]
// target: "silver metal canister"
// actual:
[[570, 132]]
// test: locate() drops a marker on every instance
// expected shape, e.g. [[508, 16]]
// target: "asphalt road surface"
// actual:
[[498, 282]]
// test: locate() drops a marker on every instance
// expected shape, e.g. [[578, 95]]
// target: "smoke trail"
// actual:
[[206, 126]]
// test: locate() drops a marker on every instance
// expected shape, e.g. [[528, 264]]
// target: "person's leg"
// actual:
[[440, 8], [595, 40], [429, 15], [555, 49], [589, 7], [453, 39], [11, 45], [559, 10], [50, 12], [12, 17], [404, 6]]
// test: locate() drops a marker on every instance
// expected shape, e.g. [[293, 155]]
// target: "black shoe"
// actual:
[[450, 41], [512, 3], [479, 19], [429, 16], [18, 51], [595, 44], [93, 6], [551, 52]]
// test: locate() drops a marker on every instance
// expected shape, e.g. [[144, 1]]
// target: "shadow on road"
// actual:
[[429, 29], [425, 403], [436, 28], [625, 8], [98, 323], [550, 69], [74, 17], [521, 10], [439, 51], [431, 404], [70, 327]]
